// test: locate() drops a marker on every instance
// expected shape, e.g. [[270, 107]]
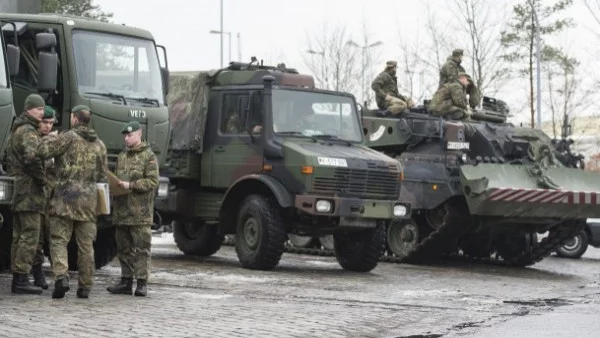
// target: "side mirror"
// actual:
[[48, 71], [44, 41], [164, 73], [13, 58]]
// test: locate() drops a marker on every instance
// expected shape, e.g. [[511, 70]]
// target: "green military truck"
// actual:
[[259, 152], [114, 69]]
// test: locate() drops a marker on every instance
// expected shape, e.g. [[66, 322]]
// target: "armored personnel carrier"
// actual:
[[481, 189]]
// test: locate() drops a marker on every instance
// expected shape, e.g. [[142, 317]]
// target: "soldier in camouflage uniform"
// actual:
[[29, 199], [36, 268], [80, 163], [451, 100], [387, 95], [449, 71], [137, 170]]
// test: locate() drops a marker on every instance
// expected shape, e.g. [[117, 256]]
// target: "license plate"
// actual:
[[458, 145]]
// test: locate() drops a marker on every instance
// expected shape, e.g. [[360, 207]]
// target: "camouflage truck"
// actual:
[[259, 152], [482, 189], [114, 69]]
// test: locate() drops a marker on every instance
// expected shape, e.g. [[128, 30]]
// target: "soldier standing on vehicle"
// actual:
[[137, 170], [449, 71], [80, 163], [29, 199], [36, 268], [387, 95], [451, 100]]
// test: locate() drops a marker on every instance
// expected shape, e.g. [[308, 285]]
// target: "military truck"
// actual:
[[114, 69], [481, 189], [258, 152]]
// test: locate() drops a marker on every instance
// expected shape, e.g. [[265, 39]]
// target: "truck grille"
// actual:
[[360, 183]]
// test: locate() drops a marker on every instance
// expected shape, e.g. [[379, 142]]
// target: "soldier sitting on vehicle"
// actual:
[[387, 96], [450, 69], [451, 100]]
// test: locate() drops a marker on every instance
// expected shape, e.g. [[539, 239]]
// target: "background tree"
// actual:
[[519, 39], [84, 8]]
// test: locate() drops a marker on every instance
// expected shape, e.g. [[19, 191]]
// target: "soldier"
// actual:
[[450, 70], [451, 99], [29, 199], [137, 170], [387, 96], [474, 94], [36, 268], [80, 163]]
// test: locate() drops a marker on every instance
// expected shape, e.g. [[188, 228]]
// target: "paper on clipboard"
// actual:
[[113, 182], [103, 206]]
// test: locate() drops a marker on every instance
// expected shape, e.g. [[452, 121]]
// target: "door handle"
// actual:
[[220, 149]]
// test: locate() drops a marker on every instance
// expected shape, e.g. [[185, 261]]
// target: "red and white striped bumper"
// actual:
[[543, 196]]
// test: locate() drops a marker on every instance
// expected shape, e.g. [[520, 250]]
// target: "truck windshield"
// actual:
[[315, 114], [117, 67]]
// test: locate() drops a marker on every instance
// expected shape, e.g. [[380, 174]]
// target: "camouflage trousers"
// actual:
[[26, 235], [39, 257], [133, 250], [396, 105], [61, 230]]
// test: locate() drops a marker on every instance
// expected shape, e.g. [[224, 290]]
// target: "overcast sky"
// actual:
[[276, 30]]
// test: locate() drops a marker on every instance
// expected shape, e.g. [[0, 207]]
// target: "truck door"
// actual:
[[235, 154]]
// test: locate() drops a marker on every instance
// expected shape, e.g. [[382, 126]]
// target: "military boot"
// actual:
[[140, 289], [61, 286], [38, 276], [83, 293], [124, 287], [21, 284]]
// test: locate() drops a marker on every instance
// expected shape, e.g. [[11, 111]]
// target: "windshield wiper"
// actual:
[[296, 133], [109, 94], [146, 100], [331, 137]]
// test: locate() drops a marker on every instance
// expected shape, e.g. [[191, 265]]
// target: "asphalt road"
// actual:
[[311, 296]]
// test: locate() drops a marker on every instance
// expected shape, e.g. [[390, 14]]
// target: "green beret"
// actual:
[[457, 52], [131, 127], [48, 113], [79, 108], [34, 101]]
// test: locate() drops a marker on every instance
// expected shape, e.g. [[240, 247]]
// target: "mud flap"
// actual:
[[517, 191]]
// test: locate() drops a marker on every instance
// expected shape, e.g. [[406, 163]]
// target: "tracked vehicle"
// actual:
[[481, 189], [258, 152]]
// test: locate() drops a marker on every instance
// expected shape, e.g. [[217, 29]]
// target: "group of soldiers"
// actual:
[[450, 100], [56, 195]]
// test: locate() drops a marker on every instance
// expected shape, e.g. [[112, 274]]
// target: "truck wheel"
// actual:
[[360, 250], [402, 237], [260, 236], [575, 247], [5, 241], [105, 249], [196, 238]]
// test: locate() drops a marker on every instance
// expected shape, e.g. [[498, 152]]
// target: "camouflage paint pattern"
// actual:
[[449, 71], [80, 162], [26, 234], [385, 84], [450, 99], [139, 167], [61, 230], [133, 249]]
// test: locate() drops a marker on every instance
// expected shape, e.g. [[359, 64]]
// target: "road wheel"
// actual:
[[327, 242], [301, 241], [360, 250], [402, 237], [196, 238], [260, 236], [575, 247]]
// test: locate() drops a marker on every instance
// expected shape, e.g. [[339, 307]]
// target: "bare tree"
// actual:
[[331, 60], [369, 57], [593, 7]]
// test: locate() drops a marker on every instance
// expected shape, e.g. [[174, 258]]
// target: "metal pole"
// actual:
[[364, 53], [538, 57], [221, 33], [239, 48], [229, 36]]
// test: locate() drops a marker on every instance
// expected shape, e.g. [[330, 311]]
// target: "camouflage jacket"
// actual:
[[139, 167], [383, 85], [25, 166], [80, 162], [451, 97], [449, 71]]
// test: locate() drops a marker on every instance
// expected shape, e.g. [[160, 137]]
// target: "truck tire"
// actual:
[[575, 247], [5, 242], [360, 250], [194, 238], [260, 236], [105, 249], [402, 237]]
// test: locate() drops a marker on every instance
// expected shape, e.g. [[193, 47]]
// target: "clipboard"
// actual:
[[103, 206], [113, 183]]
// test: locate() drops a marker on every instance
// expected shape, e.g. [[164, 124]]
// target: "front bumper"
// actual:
[[350, 207]]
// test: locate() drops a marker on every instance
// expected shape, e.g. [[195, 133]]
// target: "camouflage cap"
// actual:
[[34, 101], [131, 127], [391, 64], [48, 113], [79, 108], [457, 53]]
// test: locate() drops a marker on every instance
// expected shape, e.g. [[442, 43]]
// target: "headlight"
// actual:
[[4, 193], [323, 206], [163, 189], [399, 210]]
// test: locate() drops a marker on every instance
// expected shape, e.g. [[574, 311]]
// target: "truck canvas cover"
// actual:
[[188, 106]]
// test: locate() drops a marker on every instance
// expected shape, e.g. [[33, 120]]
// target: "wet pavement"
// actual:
[[311, 296]]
